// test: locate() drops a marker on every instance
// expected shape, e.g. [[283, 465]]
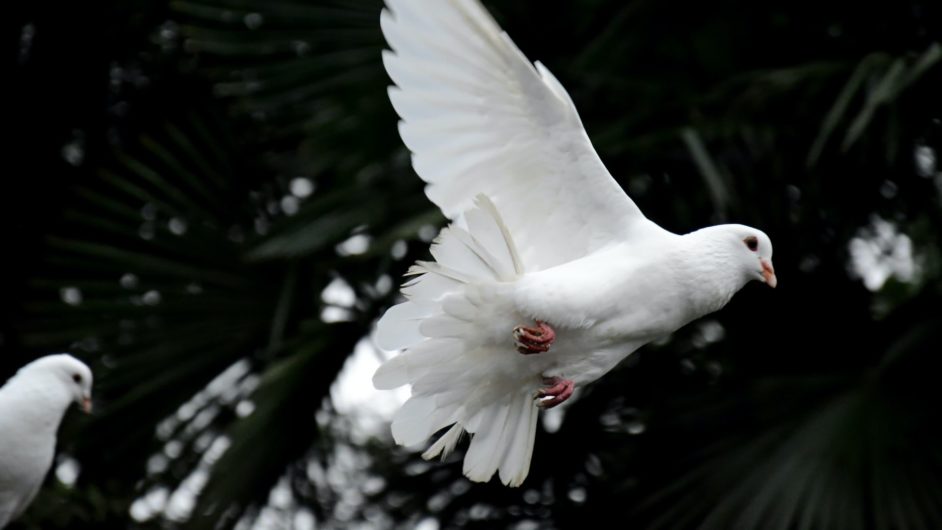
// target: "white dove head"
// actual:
[[753, 250], [72, 374]]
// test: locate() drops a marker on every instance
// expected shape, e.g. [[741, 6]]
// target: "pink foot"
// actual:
[[557, 391], [534, 340]]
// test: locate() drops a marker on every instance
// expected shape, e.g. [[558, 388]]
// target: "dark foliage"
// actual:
[[154, 227]]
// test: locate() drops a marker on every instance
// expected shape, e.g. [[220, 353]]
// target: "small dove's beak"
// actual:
[[768, 273], [87, 405]]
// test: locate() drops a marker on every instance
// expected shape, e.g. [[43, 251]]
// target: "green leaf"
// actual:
[[841, 104]]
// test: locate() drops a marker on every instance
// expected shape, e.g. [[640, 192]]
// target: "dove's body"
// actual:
[[32, 404], [25, 459], [610, 303], [552, 239]]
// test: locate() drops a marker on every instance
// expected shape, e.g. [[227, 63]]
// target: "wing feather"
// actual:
[[480, 118]]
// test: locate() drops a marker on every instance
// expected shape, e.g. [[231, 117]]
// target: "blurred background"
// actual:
[[208, 201]]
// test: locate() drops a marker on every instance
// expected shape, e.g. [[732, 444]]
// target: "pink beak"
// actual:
[[768, 273], [87, 405]]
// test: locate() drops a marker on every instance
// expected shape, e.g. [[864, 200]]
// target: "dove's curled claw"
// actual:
[[557, 391], [536, 339]]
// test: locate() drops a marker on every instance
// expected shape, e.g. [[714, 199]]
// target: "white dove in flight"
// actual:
[[32, 404], [549, 275]]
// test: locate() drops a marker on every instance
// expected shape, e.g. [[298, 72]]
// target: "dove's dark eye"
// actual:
[[77, 378], [752, 243]]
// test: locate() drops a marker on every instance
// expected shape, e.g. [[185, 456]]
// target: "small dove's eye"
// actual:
[[752, 243], [77, 378]]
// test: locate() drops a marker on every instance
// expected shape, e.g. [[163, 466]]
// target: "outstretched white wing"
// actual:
[[480, 118]]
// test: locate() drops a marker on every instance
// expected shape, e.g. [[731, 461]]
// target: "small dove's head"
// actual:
[[68, 371], [753, 250]]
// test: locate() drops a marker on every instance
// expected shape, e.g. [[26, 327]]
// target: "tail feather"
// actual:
[[444, 326], [445, 444], [460, 307], [416, 362], [504, 441], [411, 424], [430, 286], [453, 250], [517, 459], [441, 380], [482, 459], [457, 379], [401, 324], [422, 267]]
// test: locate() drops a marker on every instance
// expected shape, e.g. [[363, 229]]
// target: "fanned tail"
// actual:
[[458, 377]]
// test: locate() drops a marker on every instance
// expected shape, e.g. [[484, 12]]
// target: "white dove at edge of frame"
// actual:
[[548, 275], [32, 404]]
